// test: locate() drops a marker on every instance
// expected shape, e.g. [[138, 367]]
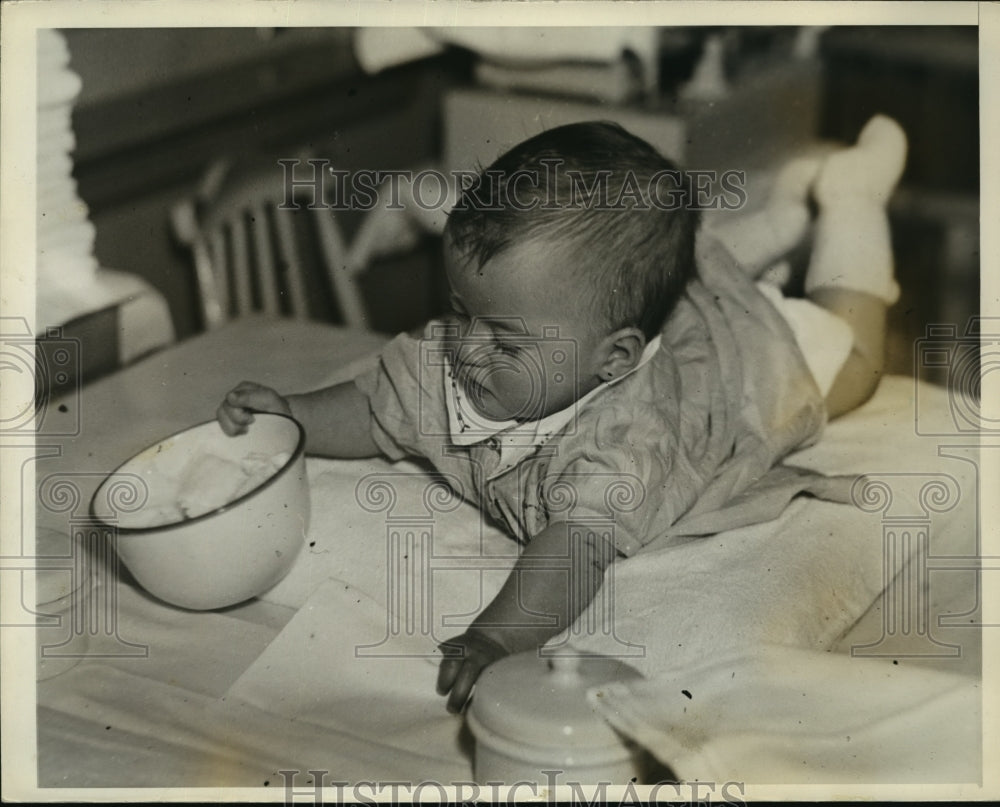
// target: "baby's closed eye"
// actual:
[[506, 348]]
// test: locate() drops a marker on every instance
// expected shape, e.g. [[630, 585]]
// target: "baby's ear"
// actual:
[[622, 351]]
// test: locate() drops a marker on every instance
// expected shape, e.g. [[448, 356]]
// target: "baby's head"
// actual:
[[565, 257]]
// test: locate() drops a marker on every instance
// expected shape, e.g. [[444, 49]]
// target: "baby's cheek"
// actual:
[[560, 385], [512, 392]]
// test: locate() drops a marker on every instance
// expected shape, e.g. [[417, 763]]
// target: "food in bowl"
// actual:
[[203, 520], [205, 483]]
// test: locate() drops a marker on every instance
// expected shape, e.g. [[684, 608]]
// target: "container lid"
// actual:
[[542, 701]]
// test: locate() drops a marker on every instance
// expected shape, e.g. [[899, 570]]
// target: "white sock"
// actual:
[[852, 248]]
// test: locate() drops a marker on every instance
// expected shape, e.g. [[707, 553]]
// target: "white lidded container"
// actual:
[[530, 715]]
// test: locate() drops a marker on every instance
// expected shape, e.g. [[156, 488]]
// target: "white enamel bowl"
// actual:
[[231, 544]]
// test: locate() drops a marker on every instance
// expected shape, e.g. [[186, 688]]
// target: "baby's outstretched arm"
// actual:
[[337, 419], [554, 580]]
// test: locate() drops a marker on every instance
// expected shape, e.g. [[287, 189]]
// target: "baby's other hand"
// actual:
[[235, 413], [465, 657]]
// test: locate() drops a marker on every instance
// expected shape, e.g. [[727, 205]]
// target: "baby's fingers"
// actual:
[[254, 396], [235, 413], [232, 419], [447, 673], [465, 657], [461, 689], [456, 677]]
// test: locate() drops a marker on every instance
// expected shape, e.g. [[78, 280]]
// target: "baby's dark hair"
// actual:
[[633, 237]]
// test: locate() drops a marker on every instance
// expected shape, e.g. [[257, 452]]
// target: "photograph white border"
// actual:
[[17, 292]]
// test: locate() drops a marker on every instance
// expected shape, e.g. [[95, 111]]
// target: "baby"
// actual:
[[597, 345]]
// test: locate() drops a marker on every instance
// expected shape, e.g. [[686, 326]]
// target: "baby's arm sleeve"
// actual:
[[406, 400], [622, 491]]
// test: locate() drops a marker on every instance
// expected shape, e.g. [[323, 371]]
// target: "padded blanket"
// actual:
[[776, 631], [412, 566]]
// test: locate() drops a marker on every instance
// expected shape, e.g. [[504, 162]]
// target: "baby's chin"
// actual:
[[495, 405], [489, 406]]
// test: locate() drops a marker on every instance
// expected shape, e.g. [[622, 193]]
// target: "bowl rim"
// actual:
[[300, 448]]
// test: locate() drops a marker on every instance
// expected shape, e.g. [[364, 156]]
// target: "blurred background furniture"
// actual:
[[158, 106], [253, 246]]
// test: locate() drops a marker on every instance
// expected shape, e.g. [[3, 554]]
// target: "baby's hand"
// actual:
[[465, 657], [235, 413]]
